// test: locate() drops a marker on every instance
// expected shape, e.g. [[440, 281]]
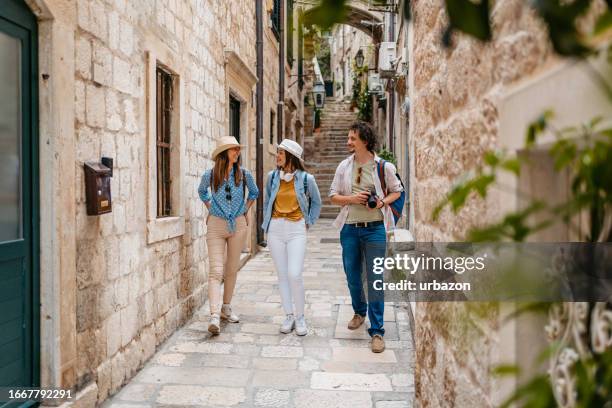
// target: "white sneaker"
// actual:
[[214, 324], [288, 324], [301, 329], [226, 313]]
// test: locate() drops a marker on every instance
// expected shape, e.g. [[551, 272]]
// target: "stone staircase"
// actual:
[[330, 149]]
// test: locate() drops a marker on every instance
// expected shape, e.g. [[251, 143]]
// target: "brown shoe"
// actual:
[[356, 321], [378, 344]]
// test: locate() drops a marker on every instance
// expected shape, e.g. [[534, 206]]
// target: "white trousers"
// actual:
[[287, 243]]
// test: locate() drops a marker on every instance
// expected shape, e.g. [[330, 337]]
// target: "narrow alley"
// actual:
[[252, 364]]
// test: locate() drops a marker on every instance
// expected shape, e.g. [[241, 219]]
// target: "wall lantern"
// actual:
[[318, 93], [359, 58]]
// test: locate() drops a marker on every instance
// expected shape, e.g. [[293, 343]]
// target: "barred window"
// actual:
[[164, 113]]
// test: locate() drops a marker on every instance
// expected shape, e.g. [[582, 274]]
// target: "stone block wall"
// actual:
[[454, 95], [454, 104], [271, 83], [345, 42], [132, 295]]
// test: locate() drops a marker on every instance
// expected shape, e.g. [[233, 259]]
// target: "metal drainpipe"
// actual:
[[259, 117], [281, 70], [392, 92], [343, 65]]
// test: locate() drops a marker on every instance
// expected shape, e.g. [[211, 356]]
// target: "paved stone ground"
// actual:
[[250, 364]]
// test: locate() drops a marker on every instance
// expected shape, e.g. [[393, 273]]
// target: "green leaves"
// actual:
[[537, 127], [537, 393], [327, 13], [515, 226], [478, 182], [560, 18], [364, 105], [592, 375], [470, 17], [460, 193], [387, 155], [584, 152], [604, 23], [594, 380], [473, 18]]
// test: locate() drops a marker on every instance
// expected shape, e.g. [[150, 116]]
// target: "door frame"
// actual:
[[18, 13]]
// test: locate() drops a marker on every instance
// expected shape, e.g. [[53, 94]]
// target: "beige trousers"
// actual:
[[223, 257]]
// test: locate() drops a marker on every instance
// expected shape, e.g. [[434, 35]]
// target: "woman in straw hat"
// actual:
[[227, 224], [291, 204]]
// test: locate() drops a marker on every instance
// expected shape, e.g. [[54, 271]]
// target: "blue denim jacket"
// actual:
[[272, 186], [220, 205]]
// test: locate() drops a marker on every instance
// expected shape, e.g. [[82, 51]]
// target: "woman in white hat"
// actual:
[[222, 189], [291, 204]]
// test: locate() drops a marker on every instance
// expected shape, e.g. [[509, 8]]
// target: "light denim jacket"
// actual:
[[272, 186]]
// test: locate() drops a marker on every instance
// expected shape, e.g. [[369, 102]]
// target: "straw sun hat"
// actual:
[[225, 143], [292, 147]]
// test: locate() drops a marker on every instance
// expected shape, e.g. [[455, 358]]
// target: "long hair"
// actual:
[[218, 173], [292, 161]]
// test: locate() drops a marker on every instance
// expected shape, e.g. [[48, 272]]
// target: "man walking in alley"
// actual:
[[363, 221]]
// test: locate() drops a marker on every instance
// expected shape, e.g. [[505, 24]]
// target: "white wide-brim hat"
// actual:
[[225, 143], [292, 147]]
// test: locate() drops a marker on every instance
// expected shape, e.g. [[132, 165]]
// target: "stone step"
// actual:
[[324, 178], [314, 164], [322, 175], [323, 152], [332, 140], [333, 151], [324, 147], [330, 155], [326, 141], [331, 143]]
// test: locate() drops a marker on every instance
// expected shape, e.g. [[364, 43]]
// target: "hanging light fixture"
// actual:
[[318, 93], [359, 58]]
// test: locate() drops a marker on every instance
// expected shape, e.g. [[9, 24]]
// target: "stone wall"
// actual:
[[344, 44], [132, 295], [454, 104], [454, 96]]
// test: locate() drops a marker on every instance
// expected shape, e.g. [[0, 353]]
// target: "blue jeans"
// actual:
[[359, 245]]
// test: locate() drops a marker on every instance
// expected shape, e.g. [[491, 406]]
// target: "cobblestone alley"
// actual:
[[250, 364]]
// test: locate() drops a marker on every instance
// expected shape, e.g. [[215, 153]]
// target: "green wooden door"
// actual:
[[19, 287]]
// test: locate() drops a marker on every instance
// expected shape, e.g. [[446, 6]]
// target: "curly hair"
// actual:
[[365, 133]]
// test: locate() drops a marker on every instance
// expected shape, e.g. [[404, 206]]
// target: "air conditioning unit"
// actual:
[[375, 86], [387, 59]]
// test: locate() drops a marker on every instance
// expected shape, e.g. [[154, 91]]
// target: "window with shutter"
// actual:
[[164, 114]]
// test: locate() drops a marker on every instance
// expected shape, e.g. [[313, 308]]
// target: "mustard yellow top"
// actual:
[[286, 204]]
